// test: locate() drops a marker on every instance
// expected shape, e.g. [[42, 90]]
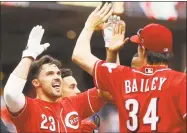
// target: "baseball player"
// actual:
[[151, 98], [47, 112], [69, 88]]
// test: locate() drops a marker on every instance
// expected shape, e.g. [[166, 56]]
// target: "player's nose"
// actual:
[[77, 91], [57, 78]]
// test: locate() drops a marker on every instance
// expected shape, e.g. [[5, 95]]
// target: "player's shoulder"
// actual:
[[177, 80], [67, 100], [30, 100], [114, 67], [177, 76]]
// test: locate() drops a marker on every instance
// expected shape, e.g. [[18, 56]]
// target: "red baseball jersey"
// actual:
[[63, 116], [151, 98]]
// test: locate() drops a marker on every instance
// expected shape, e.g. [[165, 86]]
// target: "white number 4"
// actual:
[[45, 120], [149, 118]]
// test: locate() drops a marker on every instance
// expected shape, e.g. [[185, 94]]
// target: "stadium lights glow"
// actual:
[[16, 4], [86, 4], [71, 34]]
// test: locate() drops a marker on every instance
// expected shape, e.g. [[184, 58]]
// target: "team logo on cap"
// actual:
[[72, 120]]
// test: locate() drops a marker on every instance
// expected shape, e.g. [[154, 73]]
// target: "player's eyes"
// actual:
[[59, 73], [72, 86], [49, 73]]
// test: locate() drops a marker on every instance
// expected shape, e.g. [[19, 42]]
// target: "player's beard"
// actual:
[[52, 94], [56, 92]]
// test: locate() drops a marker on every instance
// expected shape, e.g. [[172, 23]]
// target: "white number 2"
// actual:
[[149, 118], [51, 119]]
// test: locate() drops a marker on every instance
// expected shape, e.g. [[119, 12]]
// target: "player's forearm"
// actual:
[[82, 55], [82, 46], [22, 69], [112, 57], [13, 95]]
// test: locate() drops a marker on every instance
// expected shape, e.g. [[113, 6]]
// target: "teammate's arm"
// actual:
[[182, 98], [87, 103], [82, 54], [112, 57], [14, 98]]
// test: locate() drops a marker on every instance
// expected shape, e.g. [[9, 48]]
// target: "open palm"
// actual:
[[118, 36]]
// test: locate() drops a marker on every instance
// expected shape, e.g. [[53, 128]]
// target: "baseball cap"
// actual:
[[154, 37]]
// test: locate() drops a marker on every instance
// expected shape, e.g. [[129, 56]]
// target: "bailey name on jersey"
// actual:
[[144, 85]]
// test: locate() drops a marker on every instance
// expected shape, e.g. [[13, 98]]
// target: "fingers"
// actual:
[[114, 20], [45, 45], [125, 41], [37, 33], [105, 25], [108, 15], [120, 30], [116, 24], [33, 33], [110, 19], [97, 8], [118, 18], [40, 33], [116, 30], [123, 26], [119, 46], [106, 11], [102, 10]]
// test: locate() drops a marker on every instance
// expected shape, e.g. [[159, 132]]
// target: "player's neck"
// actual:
[[46, 98]]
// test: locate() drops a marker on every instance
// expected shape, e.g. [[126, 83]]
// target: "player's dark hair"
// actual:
[[35, 70], [65, 72], [158, 58], [36, 65]]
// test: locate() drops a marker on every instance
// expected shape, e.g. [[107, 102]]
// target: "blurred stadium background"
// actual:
[[63, 21]]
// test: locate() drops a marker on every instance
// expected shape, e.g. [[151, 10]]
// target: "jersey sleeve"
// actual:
[[87, 103], [182, 98], [107, 75], [21, 117], [179, 93]]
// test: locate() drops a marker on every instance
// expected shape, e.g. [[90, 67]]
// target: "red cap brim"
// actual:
[[135, 39]]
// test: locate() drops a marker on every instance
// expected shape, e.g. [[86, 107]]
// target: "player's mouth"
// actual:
[[56, 85]]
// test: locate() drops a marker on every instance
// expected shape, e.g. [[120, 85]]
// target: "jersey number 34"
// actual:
[[149, 118]]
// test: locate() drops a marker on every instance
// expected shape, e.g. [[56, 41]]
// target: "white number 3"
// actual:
[[149, 118], [45, 120]]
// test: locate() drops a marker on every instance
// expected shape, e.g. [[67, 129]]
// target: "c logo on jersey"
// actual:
[[72, 120]]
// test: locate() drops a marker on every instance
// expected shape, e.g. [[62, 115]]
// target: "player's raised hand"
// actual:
[[118, 35], [108, 28], [99, 16], [34, 48]]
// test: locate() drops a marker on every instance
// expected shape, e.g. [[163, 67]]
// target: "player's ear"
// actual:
[[35, 83]]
